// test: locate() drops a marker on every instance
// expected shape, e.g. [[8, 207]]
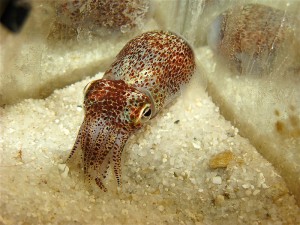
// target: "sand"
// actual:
[[187, 166]]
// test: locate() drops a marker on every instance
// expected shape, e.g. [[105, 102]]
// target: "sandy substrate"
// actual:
[[188, 166]]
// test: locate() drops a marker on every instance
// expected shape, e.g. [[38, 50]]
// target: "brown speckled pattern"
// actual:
[[148, 72], [101, 13], [251, 34]]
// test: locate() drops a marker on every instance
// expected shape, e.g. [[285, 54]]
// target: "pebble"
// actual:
[[217, 180], [161, 208], [65, 173], [256, 192], [196, 146], [61, 167], [219, 199], [221, 160], [246, 186]]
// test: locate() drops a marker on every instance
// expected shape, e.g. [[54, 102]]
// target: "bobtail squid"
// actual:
[[148, 73], [252, 38]]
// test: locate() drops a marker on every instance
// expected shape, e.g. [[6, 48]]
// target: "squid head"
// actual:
[[113, 111]]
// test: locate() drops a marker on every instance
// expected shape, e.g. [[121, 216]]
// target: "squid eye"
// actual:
[[145, 114]]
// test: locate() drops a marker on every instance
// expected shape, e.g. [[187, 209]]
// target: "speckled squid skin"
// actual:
[[249, 37], [147, 74]]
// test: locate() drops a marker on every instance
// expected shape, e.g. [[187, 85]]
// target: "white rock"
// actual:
[[196, 146], [161, 208], [217, 180], [61, 167], [245, 186], [256, 192], [65, 173]]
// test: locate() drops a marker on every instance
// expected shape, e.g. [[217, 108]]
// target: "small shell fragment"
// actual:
[[221, 160], [217, 180]]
